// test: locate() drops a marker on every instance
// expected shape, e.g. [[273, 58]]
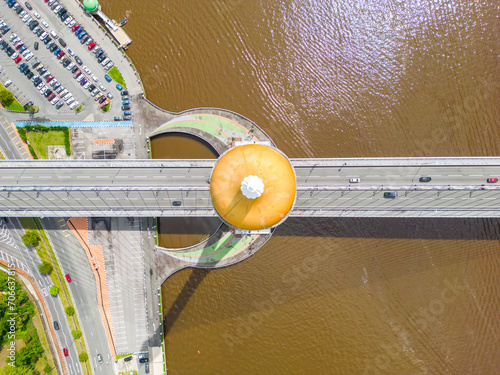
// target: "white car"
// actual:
[[354, 180], [25, 52], [70, 51], [73, 105], [22, 14], [87, 85], [28, 20], [109, 65], [54, 101], [29, 56], [86, 69], [71, 24], [25, 18], [14, 55], [80, 77], [36, 14], [54, 34], [44, 23], [68, 20], [102, 87], [94, 77], [44, 89], [70, 100], [44, 35], [67, 96], [8, 83], [57, 9], [95, 92], [53, 82], [105, 61], [40, 85], [70, 66], [96, 49], [12, 37]]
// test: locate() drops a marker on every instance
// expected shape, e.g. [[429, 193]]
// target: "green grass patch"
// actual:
[[117, 76], [39, 141], [1, 156], [39, 129], [123, 355], [15, 105]]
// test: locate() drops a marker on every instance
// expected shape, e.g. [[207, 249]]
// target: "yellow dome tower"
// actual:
[[253, 187]]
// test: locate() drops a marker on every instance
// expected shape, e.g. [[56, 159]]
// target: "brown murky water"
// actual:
[[186, 231], [337, 79]]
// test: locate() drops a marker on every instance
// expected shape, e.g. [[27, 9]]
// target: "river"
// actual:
[[337, 79]]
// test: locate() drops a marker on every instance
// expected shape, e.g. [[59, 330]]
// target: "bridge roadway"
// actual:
[[147, 188]]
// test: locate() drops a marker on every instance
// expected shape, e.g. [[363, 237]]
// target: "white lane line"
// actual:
[[82, 176], [455, 175]]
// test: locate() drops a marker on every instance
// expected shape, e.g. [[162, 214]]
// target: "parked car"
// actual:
[[176, 203], [36, 46], [91, 45], [62, 42], [124, 92], [8, 83], [107, 78], [17, 59], [126, 102], [59, 105], [109, 95], [78, 61]]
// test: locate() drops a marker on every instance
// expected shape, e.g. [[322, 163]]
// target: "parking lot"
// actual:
[[67, 89]]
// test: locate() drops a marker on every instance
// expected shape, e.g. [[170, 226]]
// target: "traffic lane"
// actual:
[[105, 176], [395, 174], [44, 282], [8, 139], [407, 199], [74, 261]]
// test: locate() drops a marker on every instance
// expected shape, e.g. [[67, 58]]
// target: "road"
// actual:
[[54, 305], [73, 261], [149, 188]]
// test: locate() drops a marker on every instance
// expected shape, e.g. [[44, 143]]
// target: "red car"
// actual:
[[65, 351], [60, 54], [91, 45], [492, 180], [49, 78], [51, 96], [75, 26], [68, 278], [18, 58]]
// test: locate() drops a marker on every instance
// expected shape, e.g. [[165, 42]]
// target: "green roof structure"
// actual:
[[90, 5]]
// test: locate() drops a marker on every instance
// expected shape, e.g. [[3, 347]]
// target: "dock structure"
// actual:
[[93, 7]]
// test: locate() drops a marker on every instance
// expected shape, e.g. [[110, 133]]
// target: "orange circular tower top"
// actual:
[[253, 187]]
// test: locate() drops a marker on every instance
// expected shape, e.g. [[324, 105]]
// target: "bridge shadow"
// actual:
[[194, 280], [393, 228]]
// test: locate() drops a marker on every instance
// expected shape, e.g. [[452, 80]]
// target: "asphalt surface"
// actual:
[[24, 89], [54, 305], [73, 261], [149, 189]]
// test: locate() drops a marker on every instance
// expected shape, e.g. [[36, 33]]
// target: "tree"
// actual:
[[76, 334], [69, 310], [6, 97], [79, 108], [31, 108], [31, 238], [83, 357], [45, 267], [47, 369], [54, 289]]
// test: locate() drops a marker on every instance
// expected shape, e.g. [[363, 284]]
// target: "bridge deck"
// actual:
[[148, 187]]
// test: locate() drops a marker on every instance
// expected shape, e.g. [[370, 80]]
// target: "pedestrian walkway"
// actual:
[[76, 124]]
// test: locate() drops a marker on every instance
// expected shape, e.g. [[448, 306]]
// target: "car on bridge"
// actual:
[[176, 203], [354, 180], [492, 180], [390, 194], [425, 179]]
